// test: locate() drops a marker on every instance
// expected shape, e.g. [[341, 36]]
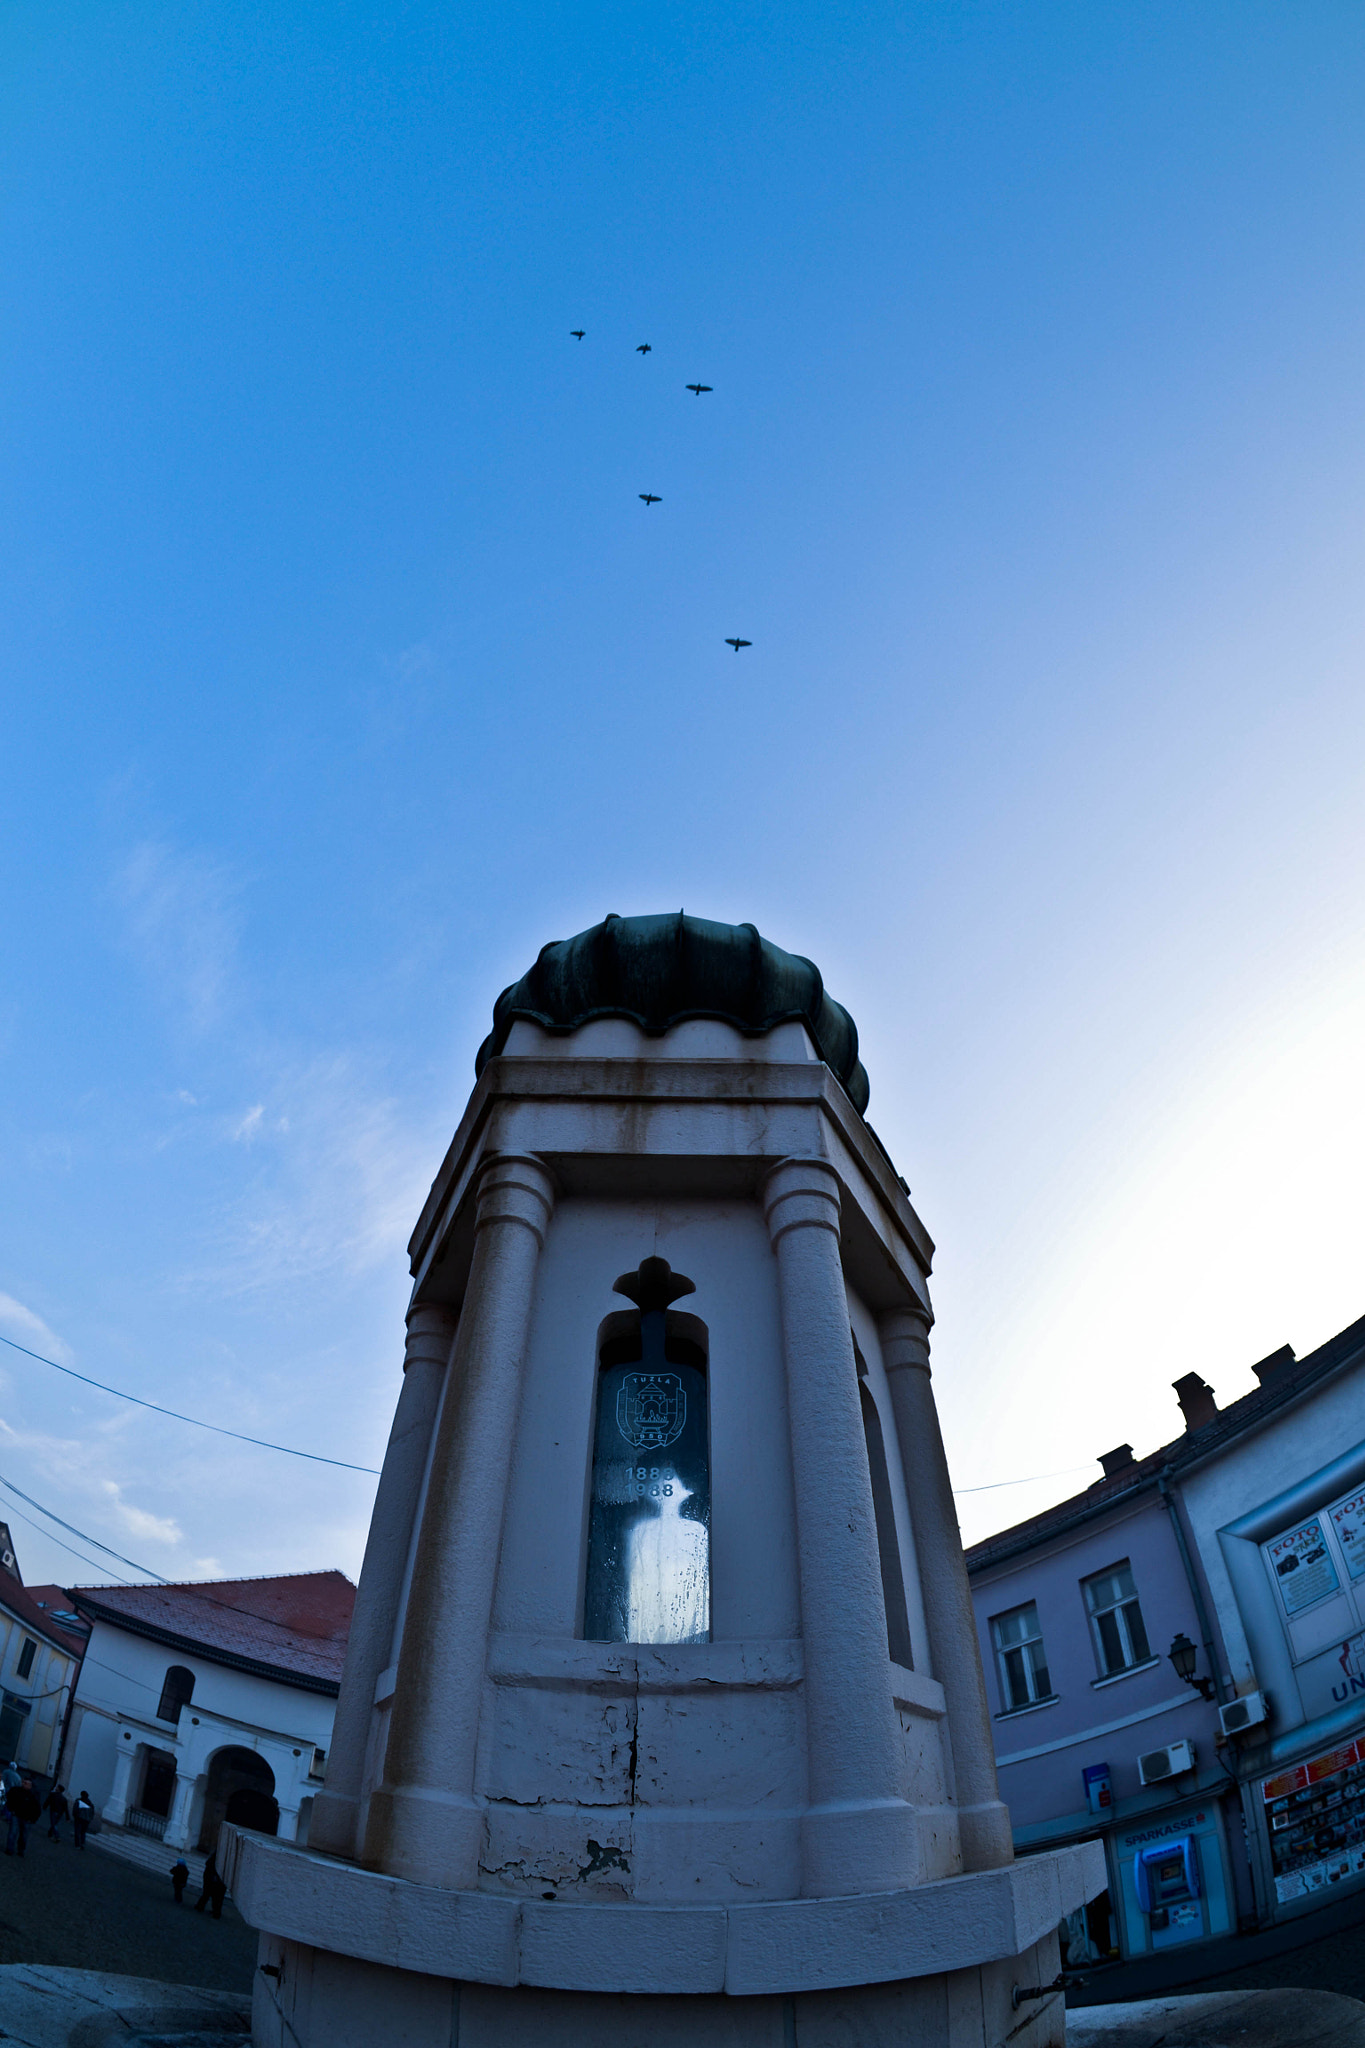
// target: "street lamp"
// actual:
[[1184, 1657]]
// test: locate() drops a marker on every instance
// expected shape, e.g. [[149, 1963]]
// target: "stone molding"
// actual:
[[783, 1946]]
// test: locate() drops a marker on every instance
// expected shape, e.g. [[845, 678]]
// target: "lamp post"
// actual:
[[1184, 1656]]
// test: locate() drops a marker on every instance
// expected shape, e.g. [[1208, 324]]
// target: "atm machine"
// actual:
[[1166, 1880]]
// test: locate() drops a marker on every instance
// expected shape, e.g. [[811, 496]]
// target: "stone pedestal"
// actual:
[[663, 1717]]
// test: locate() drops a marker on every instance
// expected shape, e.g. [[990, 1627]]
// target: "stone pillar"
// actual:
[[424, 1820], [177, 1835], [336, 1809], [858, 1834], [115, 1808], [983, 1817]]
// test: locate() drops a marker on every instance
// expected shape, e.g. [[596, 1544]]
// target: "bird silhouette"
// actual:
[[650, 498], [645, 348], [578, 332], [737, 644], [699, 388]]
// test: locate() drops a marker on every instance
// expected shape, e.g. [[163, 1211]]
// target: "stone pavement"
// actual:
[[1223, 2019], [87, 2008], [89, 1910]]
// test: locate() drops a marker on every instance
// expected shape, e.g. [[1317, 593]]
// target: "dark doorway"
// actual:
[[241, 1788], [158, 1783]]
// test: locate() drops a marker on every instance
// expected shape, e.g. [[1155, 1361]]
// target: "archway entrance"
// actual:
[[241, 1788]]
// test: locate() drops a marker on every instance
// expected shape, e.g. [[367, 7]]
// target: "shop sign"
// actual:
[[1303, 1570], [1315, 1815], [1348, 1520], [1187, 1822]]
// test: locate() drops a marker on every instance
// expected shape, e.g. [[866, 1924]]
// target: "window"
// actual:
[[26, 1657], [888, 1545], [177, 1690], [1020, 1655], [1116, 1620], [649, 1526]]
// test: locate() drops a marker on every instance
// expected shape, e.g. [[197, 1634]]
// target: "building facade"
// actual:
[[201, 1703], [1177, 1664], [39, 1660]]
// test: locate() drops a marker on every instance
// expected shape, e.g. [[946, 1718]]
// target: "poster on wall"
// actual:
[[1348, 1520], [1315, 1814], [1303, 1570]]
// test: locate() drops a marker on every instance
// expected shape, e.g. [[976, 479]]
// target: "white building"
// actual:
[[200, 1703]]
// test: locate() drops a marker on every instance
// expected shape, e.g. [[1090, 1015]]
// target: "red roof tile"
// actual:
[[293, 1628]]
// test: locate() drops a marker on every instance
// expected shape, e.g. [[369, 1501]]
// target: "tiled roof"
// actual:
[[1279, 1390], [55, 1600], [24, 1607], [293, 1628]]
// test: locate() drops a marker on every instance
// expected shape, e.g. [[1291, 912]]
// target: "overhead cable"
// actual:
[[94, 1541], [175, 1415], [996, 1484]]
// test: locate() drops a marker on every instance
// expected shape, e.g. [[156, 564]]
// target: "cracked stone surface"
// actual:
[[54, 2008], [1223, 2019]]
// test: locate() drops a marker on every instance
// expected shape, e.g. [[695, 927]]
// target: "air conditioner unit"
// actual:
[[1246, 1712], [1166, 1763]]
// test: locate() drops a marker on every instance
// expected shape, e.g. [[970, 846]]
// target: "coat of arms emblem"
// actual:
[[651, 1408]]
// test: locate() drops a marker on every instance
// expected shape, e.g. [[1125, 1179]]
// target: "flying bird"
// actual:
[[737, 644], [699, 388], [578, 332], [650, 498], [645, 348]]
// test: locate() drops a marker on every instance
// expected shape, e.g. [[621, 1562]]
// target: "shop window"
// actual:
[[649, 1527], [26, 1657], [177, 1690], [1021, 1658], [1116, 1620], [888, 1544]]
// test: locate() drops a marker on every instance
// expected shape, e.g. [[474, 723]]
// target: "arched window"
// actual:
[[649, 1528], [177, 1690], [888, 1544]]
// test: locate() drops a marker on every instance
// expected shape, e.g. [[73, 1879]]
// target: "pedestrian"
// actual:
[[10, 1776], [180, 1877], [57, 1810], [214, 1892], [24, 1807], [82, 1813]]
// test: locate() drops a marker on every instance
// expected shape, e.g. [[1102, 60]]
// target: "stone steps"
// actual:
[[151, 1854]]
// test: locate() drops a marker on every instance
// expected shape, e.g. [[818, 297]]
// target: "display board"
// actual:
[[1304, 1571], [1315, 1817]]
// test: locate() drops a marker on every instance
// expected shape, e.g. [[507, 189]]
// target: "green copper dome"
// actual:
[[659, 971]]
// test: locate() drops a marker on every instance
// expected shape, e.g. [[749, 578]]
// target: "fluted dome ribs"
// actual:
[[660, 971]]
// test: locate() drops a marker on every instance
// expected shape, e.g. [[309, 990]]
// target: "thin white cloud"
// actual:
[[248, 1126], [27, 1328], [181, 920], [139, 1522]]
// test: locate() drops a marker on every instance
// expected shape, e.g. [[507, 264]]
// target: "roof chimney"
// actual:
[[1267, 1368], [1115, 1460], [1197, 1404]]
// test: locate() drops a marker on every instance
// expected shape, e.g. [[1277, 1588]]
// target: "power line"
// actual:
[[1028, 1480], [94, 1541], [48, 1536], [175, 1415]]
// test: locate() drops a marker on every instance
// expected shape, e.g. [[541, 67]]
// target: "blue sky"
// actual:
[[343, 668]]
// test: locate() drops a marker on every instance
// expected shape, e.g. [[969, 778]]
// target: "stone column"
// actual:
[[336, 1809], [177, 1835], [858, 1834], [983, 1817], [115, 1808], [424, 1821]]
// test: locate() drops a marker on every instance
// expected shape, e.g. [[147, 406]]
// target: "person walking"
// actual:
[[10, 1777], [57, 1810], [24, 1807], [214, 1892], [180, 1877], [82, 1813]]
